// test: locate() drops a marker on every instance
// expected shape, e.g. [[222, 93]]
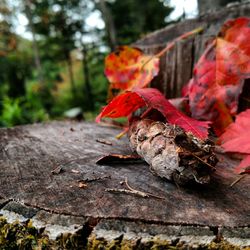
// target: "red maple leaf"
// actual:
[[236, 140], [219, 75], [130, 101], [122, 105], [128, 67]]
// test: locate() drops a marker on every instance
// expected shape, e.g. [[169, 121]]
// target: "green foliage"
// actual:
[[11, 113], [21, 110], [17, 111], [31, 93], [21, 236]]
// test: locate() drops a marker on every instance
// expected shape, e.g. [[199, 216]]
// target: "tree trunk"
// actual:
[[71, 75], [87, 85], [37, 60], [109, 24]]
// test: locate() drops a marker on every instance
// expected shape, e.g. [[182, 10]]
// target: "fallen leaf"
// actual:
[[181, 103], [244, 166], [128, 67], [130, 101], [122, 105], [118, 158], [219, 75], [236, 140]]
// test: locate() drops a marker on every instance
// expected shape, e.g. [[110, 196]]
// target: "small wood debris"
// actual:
[[132, 191], [75, 171], [238, 179], [57, 170], [118, 158], [104, 142], [82, 184], [97, 178]]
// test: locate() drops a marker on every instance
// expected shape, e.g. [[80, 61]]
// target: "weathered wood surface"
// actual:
[[30, 188], [177, 65]]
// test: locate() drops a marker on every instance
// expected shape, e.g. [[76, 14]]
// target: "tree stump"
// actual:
[[53, 195], [51, 184]]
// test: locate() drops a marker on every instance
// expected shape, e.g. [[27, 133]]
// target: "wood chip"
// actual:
[[104, 141]]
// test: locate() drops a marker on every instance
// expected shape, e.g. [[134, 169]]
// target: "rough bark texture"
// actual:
[[176, 66], [43, 164]]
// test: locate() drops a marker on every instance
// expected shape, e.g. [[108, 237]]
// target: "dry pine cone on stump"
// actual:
[[172, 153]]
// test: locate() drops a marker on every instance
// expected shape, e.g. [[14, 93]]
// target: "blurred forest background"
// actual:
[[57, 71]]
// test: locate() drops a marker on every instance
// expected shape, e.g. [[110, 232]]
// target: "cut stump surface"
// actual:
[[43, 164]]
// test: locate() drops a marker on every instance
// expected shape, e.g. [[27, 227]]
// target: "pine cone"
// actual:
[[171, 152]]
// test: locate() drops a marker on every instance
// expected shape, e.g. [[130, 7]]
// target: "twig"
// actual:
[[104, 141], [182, 37], [197, 157], [131, 190], [124, 132], [57, 170], [83, 183], [126, 191], [171, 45], [238, 179], [141, 193], [98, 178]]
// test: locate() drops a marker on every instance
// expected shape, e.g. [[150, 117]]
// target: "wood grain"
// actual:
[[30, 153], [176, 66]]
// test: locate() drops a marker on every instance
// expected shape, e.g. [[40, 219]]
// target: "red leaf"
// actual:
[[127, 68], [236, 139], [155, 99], [218, 76], [123, 105], [244, 166]]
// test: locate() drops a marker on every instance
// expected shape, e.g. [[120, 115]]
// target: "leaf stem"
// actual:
[[171, 44], [237, 180], [120, 135], [182, 37]]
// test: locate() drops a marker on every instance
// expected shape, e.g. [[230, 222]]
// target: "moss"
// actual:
[[71, 241], [129, 244], [223, 245], [154, 244], [21, 236], [101, 243], [24, 236]]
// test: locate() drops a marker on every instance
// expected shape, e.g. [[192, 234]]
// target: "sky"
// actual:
[[189, 6]]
